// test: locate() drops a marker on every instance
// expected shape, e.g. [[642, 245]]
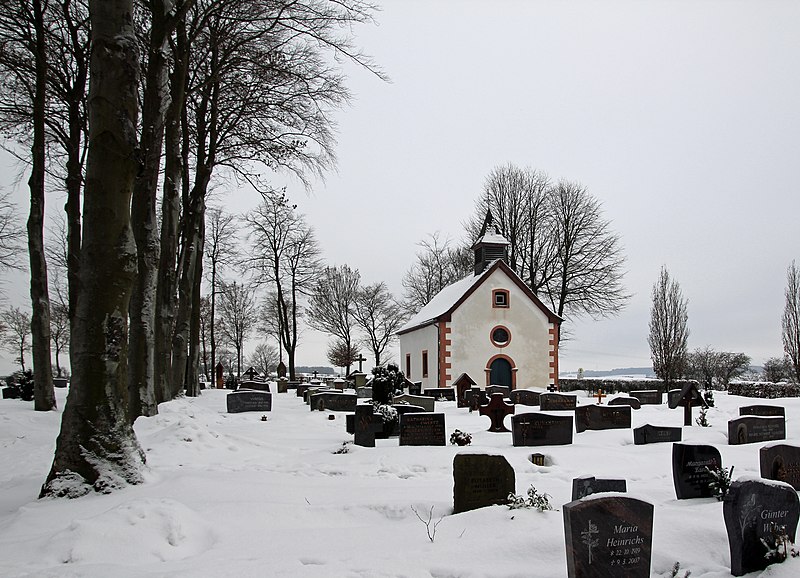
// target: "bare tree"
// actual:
[[97, 448], [776, 369], [438, 264], [731, 365], [16, 338], [791, 321], [264, 358], [221, 250], [716, 368], [285, 256], [12, 237], [59, 331], [669, 333], [237, 308], [332, 303], [379, 316]]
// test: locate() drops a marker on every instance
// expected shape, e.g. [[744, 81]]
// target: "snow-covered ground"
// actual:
[[232, 495]]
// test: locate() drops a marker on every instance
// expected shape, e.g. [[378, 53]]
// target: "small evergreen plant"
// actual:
[[534, 500], [721, 482], [703, 419]]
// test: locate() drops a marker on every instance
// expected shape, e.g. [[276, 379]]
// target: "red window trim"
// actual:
[[494, 298], [424, 363], [491, 336]]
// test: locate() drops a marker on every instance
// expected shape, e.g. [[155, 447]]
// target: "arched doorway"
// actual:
[[500, 372]]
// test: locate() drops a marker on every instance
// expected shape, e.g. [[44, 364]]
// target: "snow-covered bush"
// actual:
[[534, 500]]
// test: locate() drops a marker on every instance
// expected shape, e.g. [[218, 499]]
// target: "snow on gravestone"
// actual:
[[756, 514], [541, 429], [481, 480], [781, 462], [557, 402], [608, 537], [422, 429], [599, 417], [750, 429], [248, 400]]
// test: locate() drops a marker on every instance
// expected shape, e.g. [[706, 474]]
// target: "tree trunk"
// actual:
[[192, 379], [174, 170], [97, 448], [141, 364], [44, 397]]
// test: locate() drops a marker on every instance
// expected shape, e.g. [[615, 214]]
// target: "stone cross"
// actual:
[[497, 410], [360, 359], [367, 424], [251, 373], [599, 395]]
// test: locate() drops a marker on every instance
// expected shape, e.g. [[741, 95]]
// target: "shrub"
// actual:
[[21, 385], [721, 482], [460, 438], [534, 500]]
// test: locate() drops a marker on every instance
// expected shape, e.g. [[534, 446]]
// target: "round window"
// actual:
[[500, 336]]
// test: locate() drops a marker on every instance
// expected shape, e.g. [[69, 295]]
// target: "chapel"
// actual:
[[489, 325]]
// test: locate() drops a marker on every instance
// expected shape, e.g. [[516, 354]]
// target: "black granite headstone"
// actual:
[[673, 398], [557, 402], [504, 389], [497, 409], [689, 474], [333, 401], [365, 425], [751, 429], [422, 429], [525, 397], [59, 382], [653, 434], [481, 480], [256, 384], [753, 512], [597, 417], [588, 485], [625, 400], [421, 400], [608, 537], [249, 400], [781, 462], [540, 429], [415, 388], [446, 393], [648, 396], [763, 410]]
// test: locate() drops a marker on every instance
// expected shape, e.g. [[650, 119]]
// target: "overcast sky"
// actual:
[[681, 117]]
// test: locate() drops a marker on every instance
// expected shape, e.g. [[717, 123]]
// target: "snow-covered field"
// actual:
[[232, 495]]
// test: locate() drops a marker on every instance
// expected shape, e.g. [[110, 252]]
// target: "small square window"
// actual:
[[500, 298]]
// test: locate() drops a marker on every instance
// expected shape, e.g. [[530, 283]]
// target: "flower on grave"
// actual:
[[460, 438]]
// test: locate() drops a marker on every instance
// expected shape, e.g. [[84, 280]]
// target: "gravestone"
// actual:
[[382, 391], [752, 510], [359, 379], [481, 480], [588, 485], [421, 400], [334, 401], [250, 374], [781, 462], [281, 369], [422, 429], [294, 384], [653, 434], [504, 389], [690, 397], [497, 409], [283, 385], [365, 425], [541, 429], [415, 388], [364, 392], [598, 417], [446, 393], [673, 398], [254, 384], [647, 396], [689, 474], [763, 410], [340, 384], [248, 400], [557, 402], [219, 373], [463, 384], [59, 382], [525, 397], [476, 397], [608, 537], [314, 391], [750, 429], [626, 400]]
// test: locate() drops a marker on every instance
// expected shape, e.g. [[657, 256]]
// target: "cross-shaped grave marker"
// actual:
[[599, 395], [497, 409], [690, 397], [360, 359], [367, 424]]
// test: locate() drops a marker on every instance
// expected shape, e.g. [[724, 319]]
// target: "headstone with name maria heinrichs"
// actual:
[[757, 514], [608, 537]]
